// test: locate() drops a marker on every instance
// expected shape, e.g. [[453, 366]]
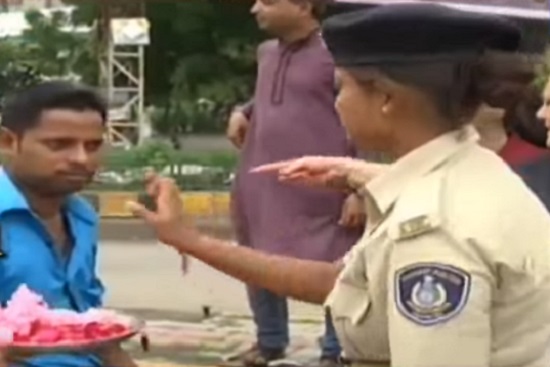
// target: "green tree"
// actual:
[[201, 60], [207, 53], [55, 52], [14, 76], [45, 50], [543, 72]]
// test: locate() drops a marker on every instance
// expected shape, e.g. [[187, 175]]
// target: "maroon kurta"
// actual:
[[292, 115]]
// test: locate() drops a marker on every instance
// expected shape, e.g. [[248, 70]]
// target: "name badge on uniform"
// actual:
[[431, 293]]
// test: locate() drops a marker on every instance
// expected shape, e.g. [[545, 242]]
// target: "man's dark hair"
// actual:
[[23, 111], [318, 7]]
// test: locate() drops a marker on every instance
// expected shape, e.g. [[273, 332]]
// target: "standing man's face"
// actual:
[[279, 16], [544, 111]]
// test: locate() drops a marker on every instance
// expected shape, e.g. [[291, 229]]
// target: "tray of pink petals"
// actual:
[[29, 325]]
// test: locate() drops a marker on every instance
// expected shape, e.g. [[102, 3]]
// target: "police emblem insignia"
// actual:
[[431, 293]]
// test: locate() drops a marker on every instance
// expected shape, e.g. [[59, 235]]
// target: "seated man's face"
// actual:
[[489, 122]]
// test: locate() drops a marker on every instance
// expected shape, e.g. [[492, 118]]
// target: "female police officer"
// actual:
[[454, 267]]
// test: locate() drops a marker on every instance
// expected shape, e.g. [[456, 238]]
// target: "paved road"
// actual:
[[209, 342], [147, 275], [133, 230], [144, 278]]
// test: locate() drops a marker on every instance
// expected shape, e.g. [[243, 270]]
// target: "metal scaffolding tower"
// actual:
[[123, 35]]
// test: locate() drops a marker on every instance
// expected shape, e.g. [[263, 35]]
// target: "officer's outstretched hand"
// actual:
[[168, 219], [339, 173]]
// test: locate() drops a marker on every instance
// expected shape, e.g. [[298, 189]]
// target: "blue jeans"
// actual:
[[270, 313]]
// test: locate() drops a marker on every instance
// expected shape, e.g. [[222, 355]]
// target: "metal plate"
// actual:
[[25, 349]]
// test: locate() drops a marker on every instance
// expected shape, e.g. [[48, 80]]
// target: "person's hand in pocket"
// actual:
[[353, 212]]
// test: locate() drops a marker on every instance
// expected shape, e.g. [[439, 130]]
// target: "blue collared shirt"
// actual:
[[30, 258]]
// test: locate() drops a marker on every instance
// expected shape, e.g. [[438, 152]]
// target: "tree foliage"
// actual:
[[207, 53], [44, 50], [15, 73], [543, 74], [201, 60]]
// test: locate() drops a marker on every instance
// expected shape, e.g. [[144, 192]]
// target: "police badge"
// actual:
[[431, 293]]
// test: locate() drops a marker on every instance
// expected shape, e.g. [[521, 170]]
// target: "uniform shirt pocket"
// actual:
[[349, 301], [350, 306], [85, 281]]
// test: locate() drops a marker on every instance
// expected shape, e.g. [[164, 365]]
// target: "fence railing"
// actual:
[[188, 177]]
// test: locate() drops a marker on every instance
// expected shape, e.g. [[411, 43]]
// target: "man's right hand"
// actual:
[[3, 359], [237, 128], [8, 356], [168, 220]]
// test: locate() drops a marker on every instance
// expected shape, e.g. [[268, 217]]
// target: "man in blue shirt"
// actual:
[[51, 141]]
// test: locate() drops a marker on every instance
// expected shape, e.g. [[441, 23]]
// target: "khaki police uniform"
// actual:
[[453, 269]]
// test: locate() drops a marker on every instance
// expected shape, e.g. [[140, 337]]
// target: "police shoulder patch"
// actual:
[[431, 293]]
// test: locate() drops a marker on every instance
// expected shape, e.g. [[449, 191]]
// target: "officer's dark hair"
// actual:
[[23, 111], [457, 88]]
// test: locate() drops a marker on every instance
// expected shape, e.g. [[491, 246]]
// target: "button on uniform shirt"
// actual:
[[29, 257], [454, 268]]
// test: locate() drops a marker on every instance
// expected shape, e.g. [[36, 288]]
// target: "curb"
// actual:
[[112, 204], [154, 363]]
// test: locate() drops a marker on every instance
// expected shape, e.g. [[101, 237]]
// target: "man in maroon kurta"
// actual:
[[292, 114]]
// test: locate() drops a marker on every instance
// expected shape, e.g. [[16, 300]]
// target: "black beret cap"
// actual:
[[414, 32]]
